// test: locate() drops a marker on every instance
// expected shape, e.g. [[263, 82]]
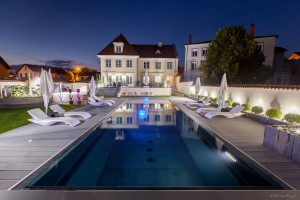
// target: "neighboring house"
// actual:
[[196, 52], [125, 63], [294, 56], [58, 74], [4, 69]]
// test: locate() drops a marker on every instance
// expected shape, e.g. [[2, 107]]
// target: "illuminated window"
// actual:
[[169, 65], [118, 63], [157, 65], [146, 65], [194, 65], [129, 63], [194, 52], [107, 63]]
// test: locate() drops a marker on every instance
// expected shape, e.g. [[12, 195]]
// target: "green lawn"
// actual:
[[11, 118]]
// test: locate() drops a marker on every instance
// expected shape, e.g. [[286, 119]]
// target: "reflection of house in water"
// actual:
[[127, 116], [189, 127]]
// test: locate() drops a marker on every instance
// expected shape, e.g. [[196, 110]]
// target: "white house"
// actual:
[[126, 64], [196, 52]]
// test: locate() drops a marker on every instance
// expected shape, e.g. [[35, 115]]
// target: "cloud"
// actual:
[[59, 63]]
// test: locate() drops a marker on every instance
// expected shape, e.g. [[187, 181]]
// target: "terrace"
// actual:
[[28, 147]]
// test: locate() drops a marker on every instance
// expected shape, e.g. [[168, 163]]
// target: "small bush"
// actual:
[[292, 118], [274, 113], [229, 102], [257, 109], [215, 100], [235, 104], [247, 107]]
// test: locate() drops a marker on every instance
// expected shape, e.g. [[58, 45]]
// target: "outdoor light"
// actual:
[[29, 140], [142, 114], [230, 156], [238, 99], [146, 100]]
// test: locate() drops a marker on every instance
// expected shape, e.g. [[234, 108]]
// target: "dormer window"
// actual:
[[118, 47]]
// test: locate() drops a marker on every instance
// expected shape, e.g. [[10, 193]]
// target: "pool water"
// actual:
[[166, 152]]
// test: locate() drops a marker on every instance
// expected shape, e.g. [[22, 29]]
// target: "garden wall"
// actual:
[[288, 100]]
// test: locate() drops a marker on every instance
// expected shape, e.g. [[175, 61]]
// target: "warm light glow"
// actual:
[[77, 68], [260, 103], [293, 109], [205, 93], [238, 99], [231, 157]]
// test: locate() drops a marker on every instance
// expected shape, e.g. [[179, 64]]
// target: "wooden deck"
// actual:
[[247, 135]]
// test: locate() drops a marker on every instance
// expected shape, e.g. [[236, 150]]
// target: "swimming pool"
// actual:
[[151, 146]]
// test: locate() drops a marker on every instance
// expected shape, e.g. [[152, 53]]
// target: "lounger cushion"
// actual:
[[37, 114]]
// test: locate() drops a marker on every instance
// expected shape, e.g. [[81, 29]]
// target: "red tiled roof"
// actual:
[[144, 51], [4, 64]]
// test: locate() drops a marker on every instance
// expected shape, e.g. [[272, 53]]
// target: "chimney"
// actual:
[[190, 39], [252, 29], [159, 44]]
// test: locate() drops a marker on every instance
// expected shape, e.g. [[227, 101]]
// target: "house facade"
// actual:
[[58, 74], [125, 64], [196, 52], [4, 69]]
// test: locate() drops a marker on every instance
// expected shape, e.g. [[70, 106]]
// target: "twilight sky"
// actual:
[[70, 32]]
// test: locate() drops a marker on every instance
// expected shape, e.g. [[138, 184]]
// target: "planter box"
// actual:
[[286, 144], [264, 120]]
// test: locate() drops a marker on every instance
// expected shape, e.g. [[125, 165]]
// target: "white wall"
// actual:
[[287, 100], [154, 91]]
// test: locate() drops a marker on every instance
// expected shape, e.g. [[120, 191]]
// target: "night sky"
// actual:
[[66, 33]]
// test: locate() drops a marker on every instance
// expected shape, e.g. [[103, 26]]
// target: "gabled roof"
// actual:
[[4, 64], [142, 50], [153, 51], [127, 49], [38, 68], [280, 49]]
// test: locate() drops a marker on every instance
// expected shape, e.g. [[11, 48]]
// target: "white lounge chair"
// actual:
[[41, 118], [93, 102], [204, 103], [203, 110], [199, 101], [233, 113], [106, 100], [60, 110]]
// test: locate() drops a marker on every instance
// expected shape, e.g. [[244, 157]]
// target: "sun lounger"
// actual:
[[199, 101], [41, 118], [233, 113], [204, 103], [57, 108], [93, 102], [203, 110], [106, 100]]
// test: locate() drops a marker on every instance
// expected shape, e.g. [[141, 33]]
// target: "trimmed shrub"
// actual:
[[229, 102], [274, 113], [247, 107], [257, 109], [292, 118], [215, 100], [235, 104]]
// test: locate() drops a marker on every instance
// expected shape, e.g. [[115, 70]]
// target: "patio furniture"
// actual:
[[60, 110], [204, 103], [93, 102], [202, 110], [41, 118], [233, 113], [101, 100]]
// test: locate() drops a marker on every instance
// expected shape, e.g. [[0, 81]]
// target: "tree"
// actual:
[[233, 52]]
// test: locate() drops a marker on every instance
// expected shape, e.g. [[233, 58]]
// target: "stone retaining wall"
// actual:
[[21, 100]]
